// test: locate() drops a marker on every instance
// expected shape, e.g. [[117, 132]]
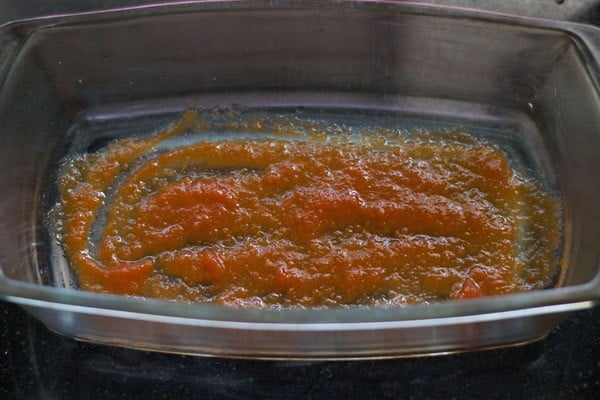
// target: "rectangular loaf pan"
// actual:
[[532, 83]]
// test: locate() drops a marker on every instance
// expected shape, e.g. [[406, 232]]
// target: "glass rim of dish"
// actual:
[[547, 301]]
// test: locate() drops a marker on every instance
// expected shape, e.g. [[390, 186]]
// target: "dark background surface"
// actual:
[[38, 364]]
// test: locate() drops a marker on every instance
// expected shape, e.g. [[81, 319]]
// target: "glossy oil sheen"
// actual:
[[284, 211]]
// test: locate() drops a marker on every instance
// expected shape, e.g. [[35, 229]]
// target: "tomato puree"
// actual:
[[255, 211]]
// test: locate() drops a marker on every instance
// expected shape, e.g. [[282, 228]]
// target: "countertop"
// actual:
[[39, 364]]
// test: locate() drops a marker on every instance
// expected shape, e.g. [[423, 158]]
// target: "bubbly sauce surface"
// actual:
[[284, 212]]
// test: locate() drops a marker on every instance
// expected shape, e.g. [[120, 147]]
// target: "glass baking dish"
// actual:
[[72, 80]]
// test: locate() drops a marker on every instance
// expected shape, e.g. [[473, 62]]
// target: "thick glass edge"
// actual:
[[72, 11], [314, 326], [549, 301]]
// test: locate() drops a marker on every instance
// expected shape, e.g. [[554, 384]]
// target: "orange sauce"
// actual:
[[312, 215]]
